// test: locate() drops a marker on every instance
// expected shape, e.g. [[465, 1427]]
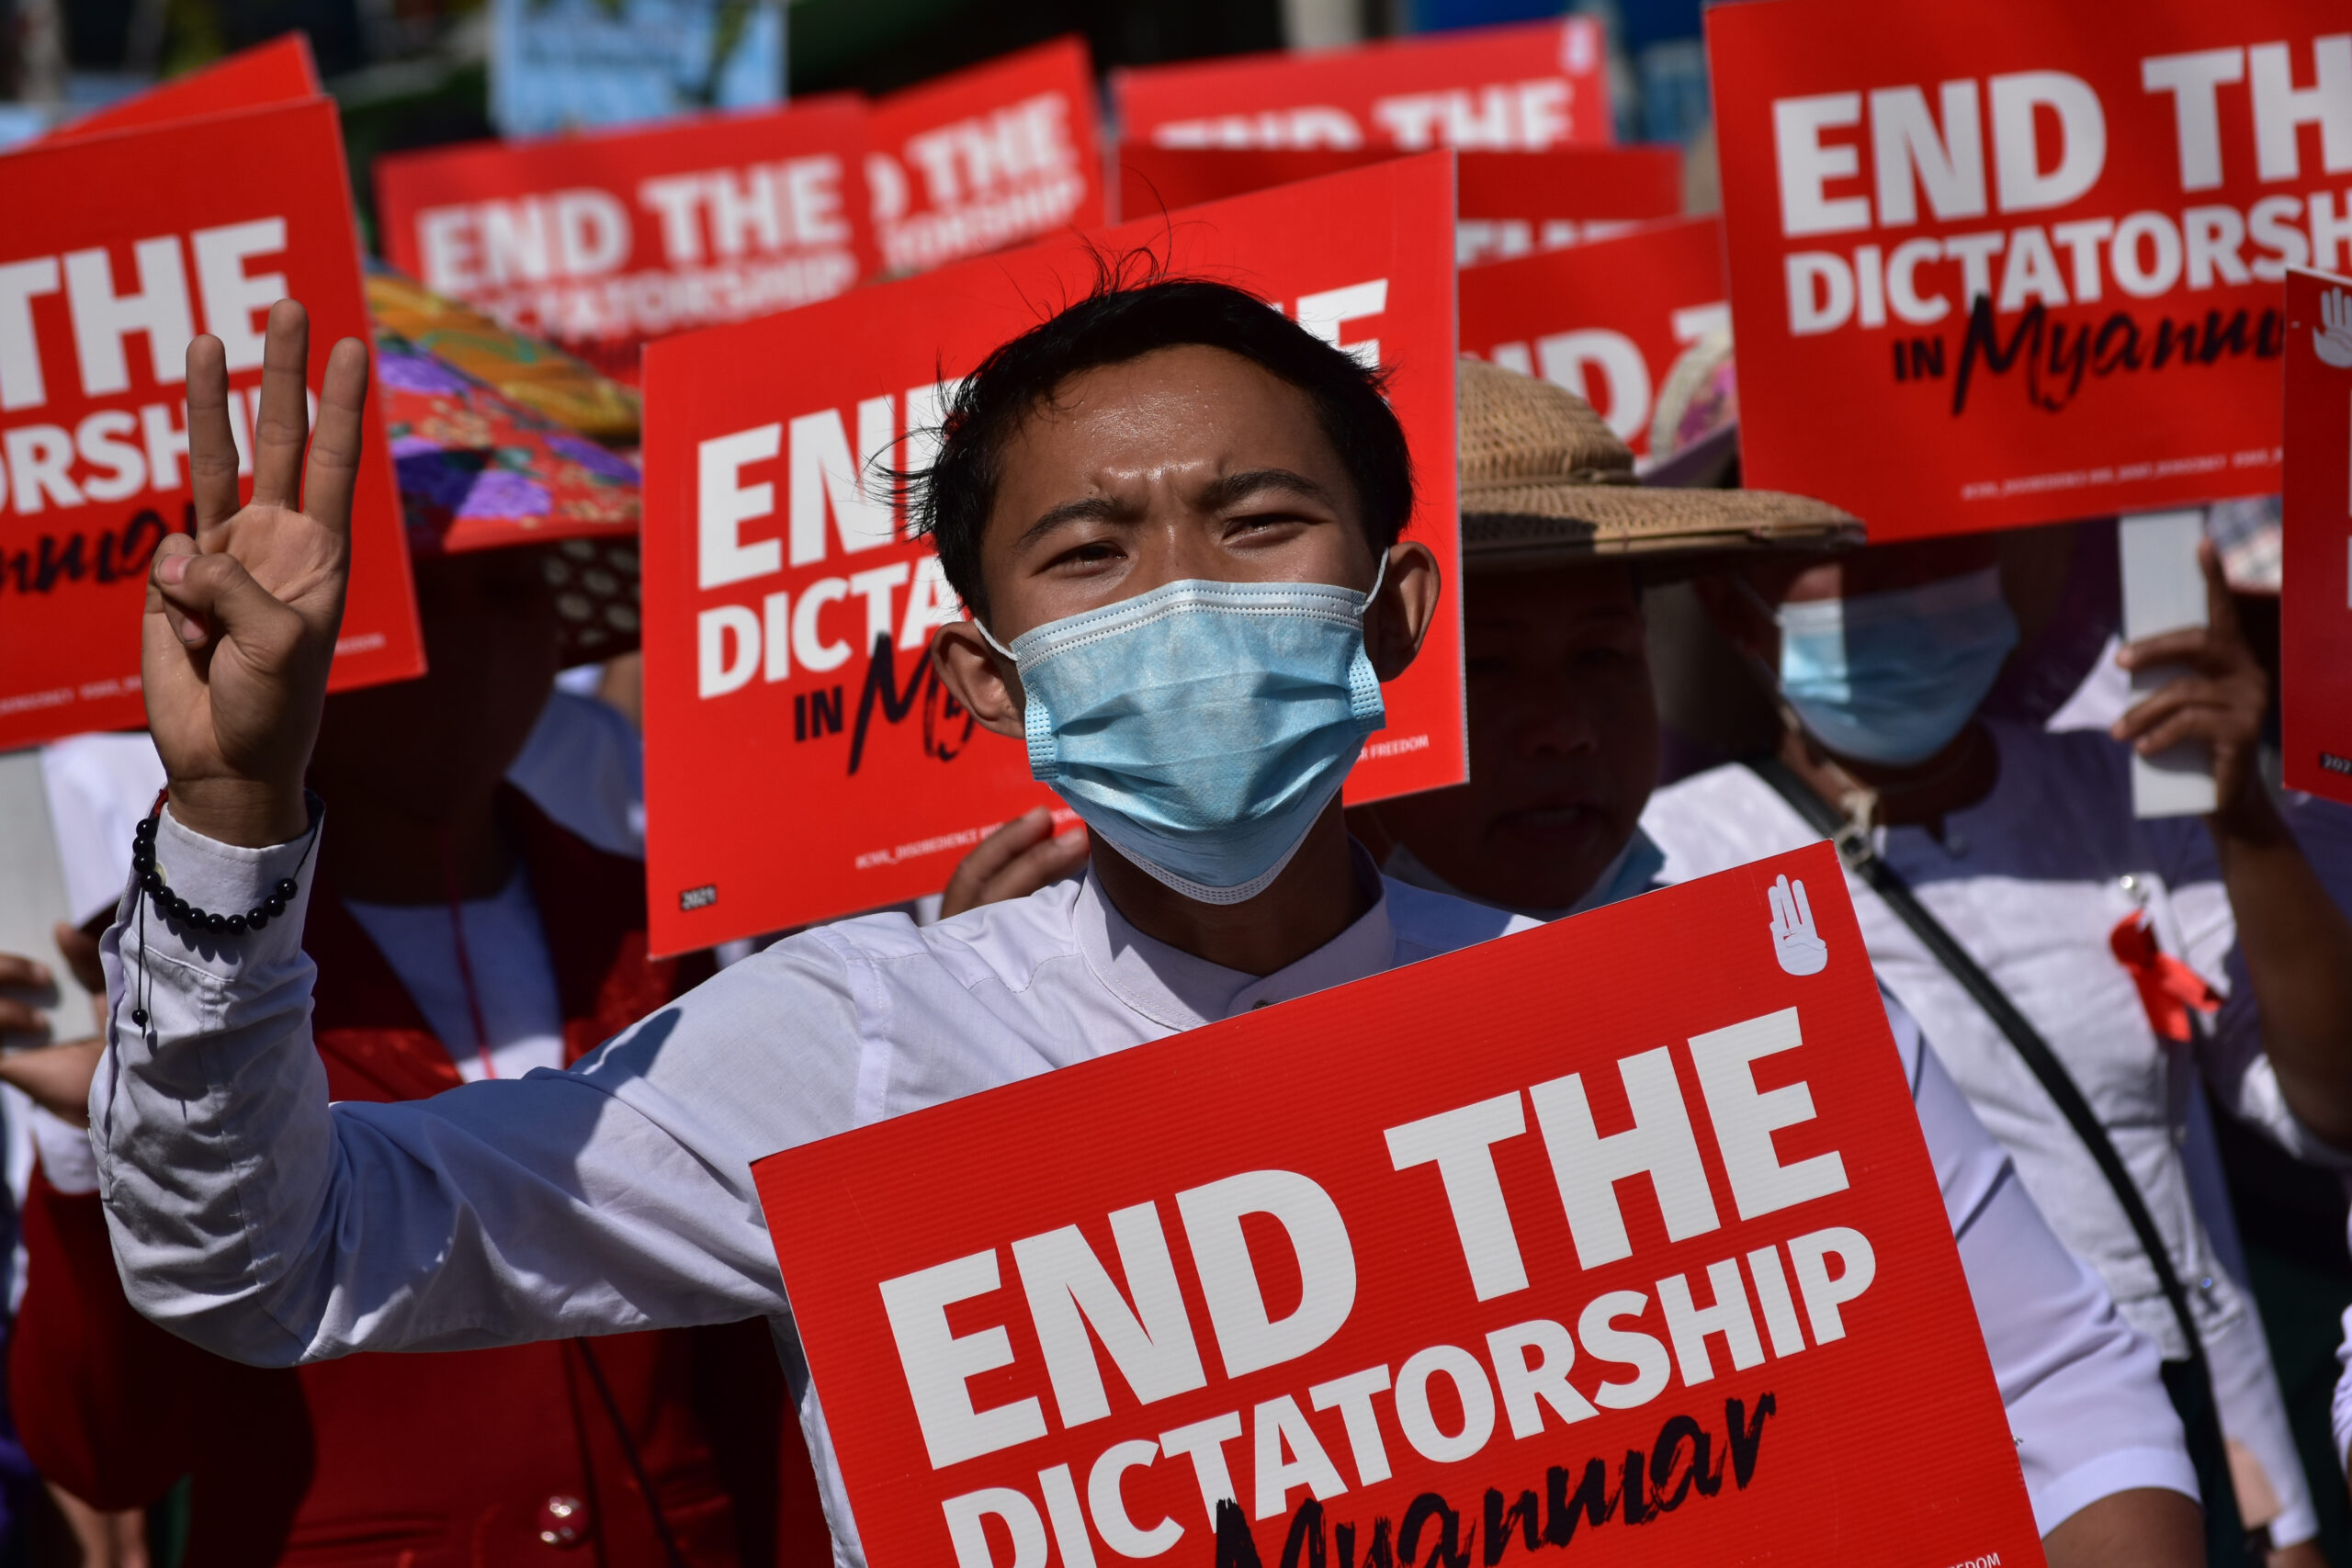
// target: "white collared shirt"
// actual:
[[254, 1219]]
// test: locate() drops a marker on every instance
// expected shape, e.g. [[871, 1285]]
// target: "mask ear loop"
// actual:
[[990, 640]]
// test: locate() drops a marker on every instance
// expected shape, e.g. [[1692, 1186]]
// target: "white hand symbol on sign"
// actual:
[[2332, 339], [1794, 942]]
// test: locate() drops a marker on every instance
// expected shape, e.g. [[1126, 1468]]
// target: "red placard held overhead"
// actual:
[[986, 158], [1510, 203], [604, 242], [1352, 1273], [144, 239], [1523, 88], [2012, 263], [786, 615], [1605, 321], [2315, 609]]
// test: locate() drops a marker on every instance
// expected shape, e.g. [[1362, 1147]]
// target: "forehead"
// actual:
[[1189, 404]]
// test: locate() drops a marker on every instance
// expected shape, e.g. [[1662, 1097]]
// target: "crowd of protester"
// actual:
[[439, 1097]]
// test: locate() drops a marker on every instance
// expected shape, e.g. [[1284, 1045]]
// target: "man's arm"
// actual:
[[2295, 941], [250, 1217]]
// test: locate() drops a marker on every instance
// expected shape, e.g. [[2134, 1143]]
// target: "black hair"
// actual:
[[1122, 319]]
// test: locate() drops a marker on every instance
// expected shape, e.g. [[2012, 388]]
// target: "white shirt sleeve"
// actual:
[[2085, 1403], [617, 1196]]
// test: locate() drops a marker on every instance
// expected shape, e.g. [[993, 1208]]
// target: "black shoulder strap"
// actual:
[[1854, 849]]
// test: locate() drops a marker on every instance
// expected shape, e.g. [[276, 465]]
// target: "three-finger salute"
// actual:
[[241, 620]]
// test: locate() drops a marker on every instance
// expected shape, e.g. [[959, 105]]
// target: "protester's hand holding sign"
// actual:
[[2219, 698], [241, 620], [1014, 862]]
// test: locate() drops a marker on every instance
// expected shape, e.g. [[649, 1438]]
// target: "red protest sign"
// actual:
[[2315, 608], [146, 238], [1370, 1256], [1510, 203], [2009, 263], [1522, 88], [986, 158], [786, 615], [601, 243], [1605, 321], [280, 71]]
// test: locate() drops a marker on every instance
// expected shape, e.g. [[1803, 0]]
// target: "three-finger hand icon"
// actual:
[[1795, 942]]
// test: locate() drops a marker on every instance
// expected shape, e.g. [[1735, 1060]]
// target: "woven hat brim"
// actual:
[[1563, 521]]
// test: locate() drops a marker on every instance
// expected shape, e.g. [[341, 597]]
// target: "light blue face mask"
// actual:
[[1202, 727], [1891, 677]]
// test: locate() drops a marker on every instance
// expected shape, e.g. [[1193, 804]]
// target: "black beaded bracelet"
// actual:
[[186, 916]]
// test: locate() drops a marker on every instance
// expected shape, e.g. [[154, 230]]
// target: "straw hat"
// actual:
[[1543, 480]]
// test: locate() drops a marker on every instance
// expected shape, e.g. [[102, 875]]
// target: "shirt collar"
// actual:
[[1177, 990]]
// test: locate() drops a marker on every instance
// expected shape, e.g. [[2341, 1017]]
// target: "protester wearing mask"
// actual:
[[2111, 936], [460, 934], [1563, 747], [1178, 448]]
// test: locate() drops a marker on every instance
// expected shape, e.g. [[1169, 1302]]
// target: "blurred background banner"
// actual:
[[559, 65], [986, 158], [1523, 88]]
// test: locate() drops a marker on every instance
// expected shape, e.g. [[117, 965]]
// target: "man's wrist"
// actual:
[[241, 812]]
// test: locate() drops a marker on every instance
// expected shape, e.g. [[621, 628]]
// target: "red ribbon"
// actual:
[[2168, 987]]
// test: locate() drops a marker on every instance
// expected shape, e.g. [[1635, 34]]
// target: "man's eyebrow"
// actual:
[[1092, 508], [1230, 489], [1217, 494]]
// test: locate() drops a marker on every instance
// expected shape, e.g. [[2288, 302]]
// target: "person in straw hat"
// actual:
[[1558, 542]]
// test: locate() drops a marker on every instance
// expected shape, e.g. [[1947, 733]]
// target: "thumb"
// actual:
[[215, 597]]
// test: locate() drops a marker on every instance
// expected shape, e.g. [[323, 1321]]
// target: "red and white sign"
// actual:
[[1445, 1261], [279, 72], [604, 242], [1003, 153], [1605, 321], [1523, 88], [2006, 264], [1510, 203], [144, 239], [2315, 609], [787, 615]]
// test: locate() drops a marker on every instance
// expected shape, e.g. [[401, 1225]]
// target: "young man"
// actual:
[[2111, 935]]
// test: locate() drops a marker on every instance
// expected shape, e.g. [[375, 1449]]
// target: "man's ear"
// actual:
[[984, 681], [1395, 622]]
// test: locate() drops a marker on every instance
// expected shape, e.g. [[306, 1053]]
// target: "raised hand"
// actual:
[[241, 620], [2219, 698]]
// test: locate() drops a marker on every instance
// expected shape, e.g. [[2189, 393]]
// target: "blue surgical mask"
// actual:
[[1891, 677], [1202, 727]]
